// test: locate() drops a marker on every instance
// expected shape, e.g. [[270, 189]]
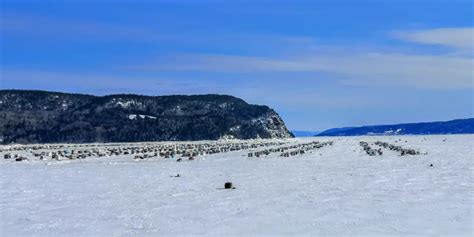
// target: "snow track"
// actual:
[[336, 190]]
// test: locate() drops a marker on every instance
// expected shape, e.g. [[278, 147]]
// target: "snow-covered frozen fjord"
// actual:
[[331, 191]]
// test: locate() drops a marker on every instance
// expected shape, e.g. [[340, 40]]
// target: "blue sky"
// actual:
[[320, 64]]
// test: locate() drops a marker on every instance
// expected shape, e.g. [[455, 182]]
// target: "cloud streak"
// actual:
[[449, 71], [369, 69], [459, 38]]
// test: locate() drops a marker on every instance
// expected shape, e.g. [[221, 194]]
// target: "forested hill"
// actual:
[[52, 117]]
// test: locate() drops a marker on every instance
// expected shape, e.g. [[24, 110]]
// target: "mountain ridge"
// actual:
[[34, 116], [456, 126]]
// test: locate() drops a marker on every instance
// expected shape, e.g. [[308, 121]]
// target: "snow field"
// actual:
[[336, 190]]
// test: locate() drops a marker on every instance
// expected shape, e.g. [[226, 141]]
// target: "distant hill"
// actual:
[[304, 133], [52, 117], [458, 126]]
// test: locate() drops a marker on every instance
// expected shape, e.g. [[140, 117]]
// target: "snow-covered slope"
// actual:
[[336, 190]]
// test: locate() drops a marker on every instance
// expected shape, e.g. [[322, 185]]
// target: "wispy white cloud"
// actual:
[[362, 67], [459, 38], [369, 69]]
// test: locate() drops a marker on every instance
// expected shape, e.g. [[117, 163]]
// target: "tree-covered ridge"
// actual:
[[49, 117]]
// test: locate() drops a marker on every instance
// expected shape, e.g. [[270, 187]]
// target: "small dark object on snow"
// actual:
[[228, 185], [21, 158], [179, 160], [177, 176], [431, 165], [191, 158]]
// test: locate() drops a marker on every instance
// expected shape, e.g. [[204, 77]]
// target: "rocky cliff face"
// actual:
[[50, 117]]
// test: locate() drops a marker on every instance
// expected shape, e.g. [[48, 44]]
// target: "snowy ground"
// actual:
[[337, 190]]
